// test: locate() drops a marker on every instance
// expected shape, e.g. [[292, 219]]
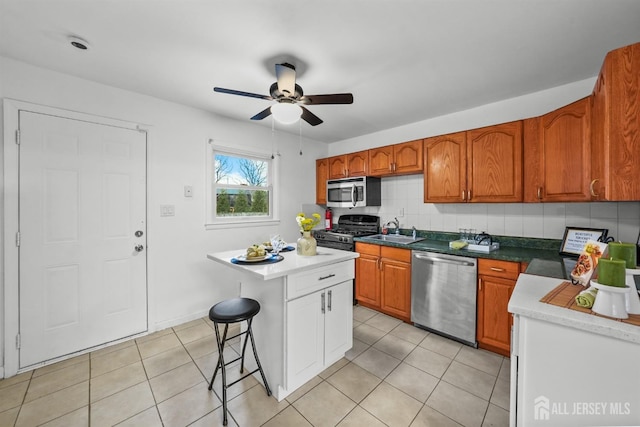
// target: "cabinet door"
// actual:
[[407, 157], [337, 167], [615, 142], [445, 168], [338, 322], [368, 279], [494, 168], [305, 328], [565, 158], [381, 161], [358, 163], [322, 174], [494, 320], [395, 288]]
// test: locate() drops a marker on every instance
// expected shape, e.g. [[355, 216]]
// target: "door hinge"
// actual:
[[17, 238], [18, 136], [18, 342]]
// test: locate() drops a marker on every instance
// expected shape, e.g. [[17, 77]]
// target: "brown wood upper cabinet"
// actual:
[[558, 155], [346, 165], [322, 174], [480, 165], [397, 159], [615, 130]]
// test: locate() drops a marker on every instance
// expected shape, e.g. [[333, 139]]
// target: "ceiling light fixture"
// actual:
[[78, 43], [286, 112]]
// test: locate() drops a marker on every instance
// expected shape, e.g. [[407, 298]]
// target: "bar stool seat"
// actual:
[[233, 311]]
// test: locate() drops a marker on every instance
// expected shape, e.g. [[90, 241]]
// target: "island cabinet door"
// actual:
[[305, 338], [319, 331], [338, 325]]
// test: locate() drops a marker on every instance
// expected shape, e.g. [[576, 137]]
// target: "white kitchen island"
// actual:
[[570, 368], [306, 319]]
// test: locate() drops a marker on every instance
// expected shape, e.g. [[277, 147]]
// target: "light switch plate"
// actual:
[[167, 210], [188, 191]]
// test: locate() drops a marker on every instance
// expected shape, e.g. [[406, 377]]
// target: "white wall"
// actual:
[[404, 195], [182, 283]]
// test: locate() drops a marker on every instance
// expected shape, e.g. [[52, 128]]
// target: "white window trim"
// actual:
[[213, 224]]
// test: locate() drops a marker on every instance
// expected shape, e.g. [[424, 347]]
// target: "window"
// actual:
[[241, 187]]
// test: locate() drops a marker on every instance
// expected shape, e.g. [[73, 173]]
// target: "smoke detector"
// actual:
[[78, 43]]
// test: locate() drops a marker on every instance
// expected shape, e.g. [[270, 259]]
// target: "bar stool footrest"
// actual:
[[243, 377]]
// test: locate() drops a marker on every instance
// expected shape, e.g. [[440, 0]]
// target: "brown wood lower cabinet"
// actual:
[[383, 279], [496, 280]]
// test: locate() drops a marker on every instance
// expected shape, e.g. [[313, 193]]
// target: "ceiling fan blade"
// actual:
[[262, 114], [239, 92], [286, 75], [336, 98], [310, 118]]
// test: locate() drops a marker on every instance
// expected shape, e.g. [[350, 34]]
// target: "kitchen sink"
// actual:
[[395, 238]]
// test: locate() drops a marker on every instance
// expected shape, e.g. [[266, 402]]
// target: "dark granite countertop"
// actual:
[[516, 249]]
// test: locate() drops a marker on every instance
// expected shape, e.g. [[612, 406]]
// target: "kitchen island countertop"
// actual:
[[291, 264], [525, 301]]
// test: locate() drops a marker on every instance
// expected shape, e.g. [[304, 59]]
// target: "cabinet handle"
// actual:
[[539, 193], [591, 190], [394, 167], [469, 195], [463, 195], [326, 277], [480, 285], [500, 270], [329, 304], [379, 263], [322, 303]]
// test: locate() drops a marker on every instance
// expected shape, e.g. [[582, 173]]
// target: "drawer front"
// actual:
[[397, 254], [368, 248], [304, 283], [497, 268]]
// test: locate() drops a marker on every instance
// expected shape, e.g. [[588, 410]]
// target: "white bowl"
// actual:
[[610, 300], [632, 300]]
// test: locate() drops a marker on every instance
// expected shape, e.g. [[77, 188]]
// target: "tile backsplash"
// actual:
[[402, 197]]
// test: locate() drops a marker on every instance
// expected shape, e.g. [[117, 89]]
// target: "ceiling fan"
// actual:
[[288, 96]]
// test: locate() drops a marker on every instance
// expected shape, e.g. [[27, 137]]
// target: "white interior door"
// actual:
[[82, 211]]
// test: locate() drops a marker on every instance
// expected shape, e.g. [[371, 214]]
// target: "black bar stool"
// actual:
[[233, 311]]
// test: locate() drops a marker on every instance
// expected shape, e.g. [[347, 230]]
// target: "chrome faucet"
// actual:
[[414, 232], [396, 223]]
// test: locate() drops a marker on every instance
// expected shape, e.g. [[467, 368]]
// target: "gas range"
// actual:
[[348, 227]]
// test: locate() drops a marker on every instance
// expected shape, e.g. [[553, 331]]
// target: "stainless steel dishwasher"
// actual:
[[443, 295]]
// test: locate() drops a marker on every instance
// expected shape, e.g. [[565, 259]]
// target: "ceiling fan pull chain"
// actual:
[[300, 136], [273, 138]]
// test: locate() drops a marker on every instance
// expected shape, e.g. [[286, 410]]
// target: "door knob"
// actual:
[[139, 233], [139, 248]]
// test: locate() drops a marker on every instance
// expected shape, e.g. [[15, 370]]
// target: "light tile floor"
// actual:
[[395, 375]]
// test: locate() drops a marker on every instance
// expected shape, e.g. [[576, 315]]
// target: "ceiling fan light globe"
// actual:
[[286, 113]]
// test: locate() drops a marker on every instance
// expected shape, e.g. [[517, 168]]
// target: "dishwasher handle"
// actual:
[[443, 260]]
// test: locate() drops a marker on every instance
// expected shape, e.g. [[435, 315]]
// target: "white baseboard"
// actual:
[[179, 320]]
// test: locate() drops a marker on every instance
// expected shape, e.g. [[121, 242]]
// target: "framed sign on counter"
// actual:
[[576, 237]]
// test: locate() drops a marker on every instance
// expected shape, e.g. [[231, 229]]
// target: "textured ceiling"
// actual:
[[404, 61]]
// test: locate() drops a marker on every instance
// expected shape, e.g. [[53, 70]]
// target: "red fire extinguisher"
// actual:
[[328, 219]]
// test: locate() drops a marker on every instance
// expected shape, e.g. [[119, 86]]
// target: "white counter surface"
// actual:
[[292, 263], [525, 301]]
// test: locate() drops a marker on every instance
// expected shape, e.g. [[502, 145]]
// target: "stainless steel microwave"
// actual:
[[353, 192]]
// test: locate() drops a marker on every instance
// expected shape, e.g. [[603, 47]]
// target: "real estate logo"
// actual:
[[541, 408]]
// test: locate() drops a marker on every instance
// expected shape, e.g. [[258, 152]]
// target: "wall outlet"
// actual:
[[401, 212], [188, 191], [167, 210]]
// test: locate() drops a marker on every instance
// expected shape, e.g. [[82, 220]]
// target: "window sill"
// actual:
[[237, 224]]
